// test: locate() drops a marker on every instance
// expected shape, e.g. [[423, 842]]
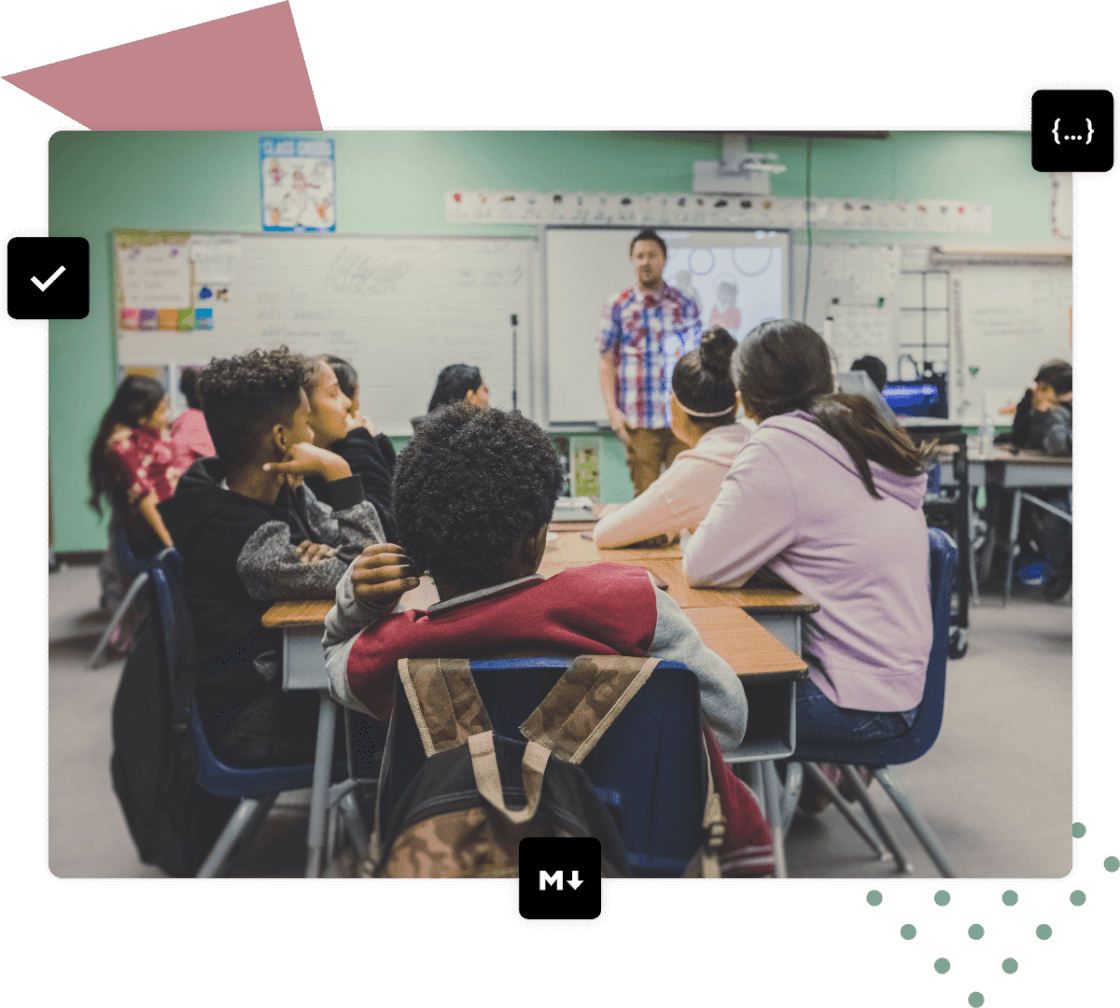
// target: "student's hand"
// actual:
[[306, 459], [382, 574], [1042, 399], [313, 553], [355, 420], [618, 425]]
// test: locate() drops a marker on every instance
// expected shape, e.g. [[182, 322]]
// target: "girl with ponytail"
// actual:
[[829, 498], [703, 406]]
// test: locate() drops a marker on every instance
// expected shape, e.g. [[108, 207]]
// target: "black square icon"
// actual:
[[48, 278], [560, 878], [1071, 131]]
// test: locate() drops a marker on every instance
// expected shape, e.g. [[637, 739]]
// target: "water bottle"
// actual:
[[987, 434]]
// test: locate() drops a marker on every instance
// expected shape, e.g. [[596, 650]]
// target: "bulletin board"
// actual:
[[399, 308]]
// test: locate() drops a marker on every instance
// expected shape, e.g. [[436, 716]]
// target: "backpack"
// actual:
[[477, 793], [173, 822]]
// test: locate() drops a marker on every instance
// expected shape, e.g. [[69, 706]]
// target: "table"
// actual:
[[1016, 470], [738, 624]]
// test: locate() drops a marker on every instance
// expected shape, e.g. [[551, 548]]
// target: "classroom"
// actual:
[[405, 252]]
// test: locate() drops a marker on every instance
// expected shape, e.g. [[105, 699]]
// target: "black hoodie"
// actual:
[[239, 556]]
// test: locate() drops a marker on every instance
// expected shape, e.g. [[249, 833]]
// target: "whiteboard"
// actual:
[[1005, 321], [584, 268], [398, 308]]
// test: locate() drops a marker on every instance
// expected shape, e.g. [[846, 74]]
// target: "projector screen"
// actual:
[[738, 278]]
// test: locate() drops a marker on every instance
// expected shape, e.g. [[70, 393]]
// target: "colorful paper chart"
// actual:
[[297, 184]]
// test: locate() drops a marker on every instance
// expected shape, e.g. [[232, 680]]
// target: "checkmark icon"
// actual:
[[44, 284]]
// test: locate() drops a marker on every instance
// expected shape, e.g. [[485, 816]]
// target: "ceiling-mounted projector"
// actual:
[[740, 172]]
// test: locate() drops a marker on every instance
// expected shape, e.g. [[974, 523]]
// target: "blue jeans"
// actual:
[[820, 720]]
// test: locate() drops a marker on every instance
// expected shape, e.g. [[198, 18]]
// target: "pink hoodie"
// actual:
[[793, 500]]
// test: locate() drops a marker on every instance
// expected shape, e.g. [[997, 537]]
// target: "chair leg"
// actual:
[[853, 781], [773, 801], [914, 818], [1012, 544], [320, 785], [791, 792], [819, 778], [239, 831], [133, 590], [355, 828]]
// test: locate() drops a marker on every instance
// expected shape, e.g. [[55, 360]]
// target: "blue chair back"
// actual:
[[176, 635], [923, 732], [648, 767]]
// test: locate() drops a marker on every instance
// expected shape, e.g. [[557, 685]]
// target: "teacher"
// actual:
[[644, 331]]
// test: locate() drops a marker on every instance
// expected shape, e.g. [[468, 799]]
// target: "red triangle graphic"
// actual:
[[244, 72]]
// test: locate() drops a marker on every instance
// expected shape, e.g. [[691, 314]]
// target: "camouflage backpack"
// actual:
[[477, 793]]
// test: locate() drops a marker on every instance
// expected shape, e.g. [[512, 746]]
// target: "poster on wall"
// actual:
[[297, 184]]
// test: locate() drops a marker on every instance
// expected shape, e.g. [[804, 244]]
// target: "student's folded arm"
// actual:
[[753, 518], [647, 515], [270, 567], [344, 518], [347, 618], [721, 694]]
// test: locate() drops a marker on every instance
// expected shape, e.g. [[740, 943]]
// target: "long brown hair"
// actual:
[[784, 366]]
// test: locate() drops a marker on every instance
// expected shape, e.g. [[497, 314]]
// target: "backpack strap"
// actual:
[[583, 704], [705, 862], [445, 701], [484, 762]]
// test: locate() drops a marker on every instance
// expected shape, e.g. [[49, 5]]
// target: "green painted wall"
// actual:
[[394, 183]]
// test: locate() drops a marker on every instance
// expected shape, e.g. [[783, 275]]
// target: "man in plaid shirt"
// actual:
[[644, 332]]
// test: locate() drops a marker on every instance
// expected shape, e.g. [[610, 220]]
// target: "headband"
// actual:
[[692, 412]]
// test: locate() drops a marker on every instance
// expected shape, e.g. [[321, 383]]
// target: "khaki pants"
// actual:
[[649, 448]]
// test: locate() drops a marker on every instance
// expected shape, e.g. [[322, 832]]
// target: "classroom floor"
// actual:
[[996, 787]]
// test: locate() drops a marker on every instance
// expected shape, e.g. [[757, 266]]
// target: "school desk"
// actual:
[[767, 668], [1016, 471]]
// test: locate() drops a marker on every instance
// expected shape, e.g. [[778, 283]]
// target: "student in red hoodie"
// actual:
[[474, 492]]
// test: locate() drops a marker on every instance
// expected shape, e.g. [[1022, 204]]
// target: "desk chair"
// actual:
[[648, 768], [880, 756], [128, 561], [257, 787]]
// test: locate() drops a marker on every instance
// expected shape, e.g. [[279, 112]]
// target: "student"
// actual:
[[874, 367], [338, 428], [1044, 418], [133, 463], [251, 533], [459, 383], [830, 498], [188, 432], [475, 490], [702, 404], [456, 383], [1044, 422]]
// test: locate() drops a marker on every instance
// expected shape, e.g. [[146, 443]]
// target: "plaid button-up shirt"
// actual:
[[647, 334]]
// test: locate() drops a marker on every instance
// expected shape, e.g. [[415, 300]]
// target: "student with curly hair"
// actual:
[[251, 533], [474, 491]]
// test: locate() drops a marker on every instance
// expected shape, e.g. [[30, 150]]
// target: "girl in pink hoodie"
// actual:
[[830, 499]]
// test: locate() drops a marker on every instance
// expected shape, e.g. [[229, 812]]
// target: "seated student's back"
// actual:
[[251, 534], [829, 498], [702, 405]]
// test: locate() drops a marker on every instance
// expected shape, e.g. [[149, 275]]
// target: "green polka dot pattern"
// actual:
[[1078, 830], [908, 931], [941, 898], [1043, 931], [1009, 965], [1077, 897], [942, 965], [976, 932], [1111, 864], [1011, 897], [874, 897], [976, 999]]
